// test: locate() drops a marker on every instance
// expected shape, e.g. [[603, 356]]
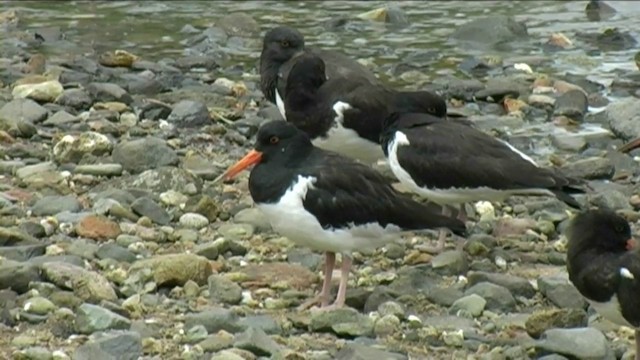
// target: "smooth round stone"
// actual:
[[39, 306], [193, 220]]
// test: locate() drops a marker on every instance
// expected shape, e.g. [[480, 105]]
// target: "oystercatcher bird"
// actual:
[[328, 202], [451, 163], [346, 115], [604, 265], [281, 46]]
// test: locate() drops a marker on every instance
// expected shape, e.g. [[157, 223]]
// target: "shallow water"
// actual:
[[152, 29]]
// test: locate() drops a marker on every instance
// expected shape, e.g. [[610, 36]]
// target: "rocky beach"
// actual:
[[116, 244]]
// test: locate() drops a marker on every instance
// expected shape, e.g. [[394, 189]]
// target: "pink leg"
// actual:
[[323, 297], [442, 233], [330, 262], [344, 278]]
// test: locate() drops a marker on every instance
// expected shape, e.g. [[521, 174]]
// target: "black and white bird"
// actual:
[[328, 202], [451, 163], [346, 114], [280, 48], [604, 265]]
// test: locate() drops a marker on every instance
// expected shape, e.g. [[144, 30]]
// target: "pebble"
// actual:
[[136, 156], [472, 304], [98, 227], [39, 305], [223, 290], [188, 113], [579, 343], [92, 318], [174, 269], [145, 206], [542, 320], [497, 297], [55, 204], [46, 91], [559, 290], [193, 220], [87, 285], [115, 344], [256, 341], [71, 149]]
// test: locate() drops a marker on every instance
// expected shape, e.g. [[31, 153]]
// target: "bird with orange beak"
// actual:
[[327, 202]]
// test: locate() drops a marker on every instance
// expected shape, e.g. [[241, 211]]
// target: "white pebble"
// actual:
[[193, 220]]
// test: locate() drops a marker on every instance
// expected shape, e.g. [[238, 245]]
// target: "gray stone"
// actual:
[[569, 142], [497, 297], [73, 148], [452, 262], [610, 199], [472, 304], [61, 118], [624, 118], [92, 318], [139, 155], [22, 252], [193, 220], [342, 321], [223, 290], [21, 110], [580, 343], [105, 92], [188, 113], [87, 285], [517, 285], [121, 345], [31, 170], [33, 353], [264, 322], [354, 351], [39, 305], [239, 24], [99, 169], [491, 30], [256, 341], [54, 204], [559, 290], [572, 104], [214, 320], [77, 99], [196, 334], [116, 252], [146, 207], [590, 168]]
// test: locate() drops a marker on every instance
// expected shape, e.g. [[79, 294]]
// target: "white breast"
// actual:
[[346, 141], [280, 105], [289, 218], [449, 196]]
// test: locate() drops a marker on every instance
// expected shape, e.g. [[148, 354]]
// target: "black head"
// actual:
[[308, 71], [281, 44], [602, 231], [281, 140]]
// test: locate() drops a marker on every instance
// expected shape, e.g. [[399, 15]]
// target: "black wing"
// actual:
[[629, 290], [347, 192], [447, 154]]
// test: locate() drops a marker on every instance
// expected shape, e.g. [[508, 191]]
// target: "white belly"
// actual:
[[450, 196], [280, 105], [289, 218], [347, 142]]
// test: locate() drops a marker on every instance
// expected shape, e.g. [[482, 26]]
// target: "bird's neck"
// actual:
[[268, 77], [307, 110], [269, 180]]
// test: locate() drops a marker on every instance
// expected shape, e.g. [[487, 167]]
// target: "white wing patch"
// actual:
[[280, 105], [625, 273]]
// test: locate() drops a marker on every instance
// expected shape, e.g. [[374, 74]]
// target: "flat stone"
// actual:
[[175, 269], [354, 351], [559, 290], [143, 154], [54, 204], [256, 341], [214, 320], [87, 285], [121, 345], [283, 275], [580, 343], [92, 318], [73, 148], [145, 206], [98, 227], [223, 290], [497, 297]]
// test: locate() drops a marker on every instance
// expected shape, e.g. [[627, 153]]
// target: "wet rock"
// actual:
[[517, 285], [54, 204], [39, 305], [572, 104], [561, 292], [597, 10], [497, 297], [21, 110], [118, 58], [214, 320], [491, 30], [543, 320], [223, 290], [189, 113], [115, 252], [343, 321], [208, 63], [239, 24], [108, 92], [611, 39], [144, 206], [590, 168], [256, 341], [581, 343], [472, 304], [452, 262], [77, 99], [98, 227], [354, 351], [46, 91], [71, 149], [624, 118], [92, 318], [87, 285], [121, 345], [569, 142], [388, 14], [139, 155], [154, 110], [175, 269]]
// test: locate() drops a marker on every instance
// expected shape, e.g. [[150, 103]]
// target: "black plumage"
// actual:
[[453, 155], [328, 202], [604, 266], [280, 47], [323, 108]]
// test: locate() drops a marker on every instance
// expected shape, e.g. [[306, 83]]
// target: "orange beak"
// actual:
[[252, 158], [631, 244], [630, 145]]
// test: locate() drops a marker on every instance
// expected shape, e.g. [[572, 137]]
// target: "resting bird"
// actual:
[[346, 114], [604, 265], [328, 202], [280, 47], [451, 163]]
